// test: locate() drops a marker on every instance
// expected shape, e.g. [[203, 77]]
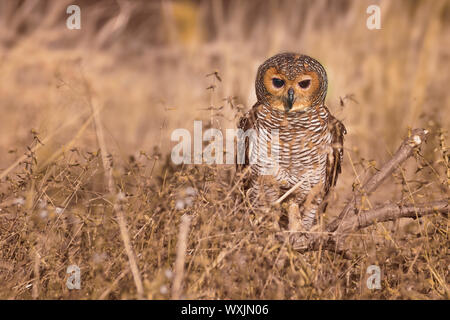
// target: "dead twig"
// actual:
[[406, 149], [345, 224], [391, 212]]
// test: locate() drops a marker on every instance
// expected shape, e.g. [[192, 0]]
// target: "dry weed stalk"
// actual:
[[181, 255], [119, 199]]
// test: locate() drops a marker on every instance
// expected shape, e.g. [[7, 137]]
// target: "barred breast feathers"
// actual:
[[310, 148]]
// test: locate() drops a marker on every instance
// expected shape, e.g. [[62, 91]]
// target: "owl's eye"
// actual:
[[277, 83], [304, 84]]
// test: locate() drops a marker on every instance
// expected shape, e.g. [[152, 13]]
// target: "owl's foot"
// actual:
[[295, 219], [299, 240], [298, 236]]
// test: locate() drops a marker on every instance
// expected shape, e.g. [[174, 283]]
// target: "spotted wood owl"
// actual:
[[302, 142]]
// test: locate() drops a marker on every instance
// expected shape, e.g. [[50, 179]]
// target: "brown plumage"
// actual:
[[297, 141]]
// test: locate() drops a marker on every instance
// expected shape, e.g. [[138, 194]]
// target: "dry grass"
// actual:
[[143, 65]]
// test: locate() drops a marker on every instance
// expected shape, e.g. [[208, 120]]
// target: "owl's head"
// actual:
[[291, 82]]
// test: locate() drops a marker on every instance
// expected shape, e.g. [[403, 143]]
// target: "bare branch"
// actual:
[[406, 149], [392, 212], [344, 225], [333, 240]]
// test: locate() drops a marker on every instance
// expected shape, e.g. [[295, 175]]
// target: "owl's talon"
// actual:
[[299, 240]]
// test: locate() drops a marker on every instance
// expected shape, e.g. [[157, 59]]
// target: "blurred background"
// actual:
[[145, 64]]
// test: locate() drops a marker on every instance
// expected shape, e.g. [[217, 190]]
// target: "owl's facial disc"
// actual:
[[291, 94]]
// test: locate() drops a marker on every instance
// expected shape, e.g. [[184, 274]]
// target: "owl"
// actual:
[[297, 145]]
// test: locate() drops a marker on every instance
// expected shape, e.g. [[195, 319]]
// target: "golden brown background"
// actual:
[[146, 61]]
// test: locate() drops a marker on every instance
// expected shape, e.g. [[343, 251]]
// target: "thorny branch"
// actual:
[[352, 218]]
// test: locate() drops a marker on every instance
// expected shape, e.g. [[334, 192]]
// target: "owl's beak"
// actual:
[[290, 100]]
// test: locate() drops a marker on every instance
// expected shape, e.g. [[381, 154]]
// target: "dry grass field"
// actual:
[[86, 177]]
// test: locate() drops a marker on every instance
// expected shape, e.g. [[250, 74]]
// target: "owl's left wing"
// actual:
[[335, 156]]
